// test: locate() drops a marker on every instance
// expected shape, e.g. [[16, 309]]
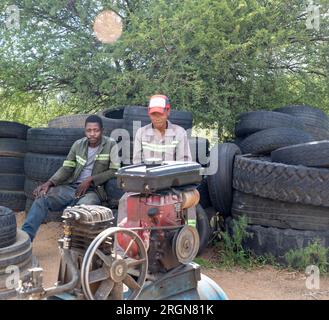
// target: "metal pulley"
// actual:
[[186, 244]]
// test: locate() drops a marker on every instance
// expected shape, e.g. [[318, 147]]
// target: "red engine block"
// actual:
[[150, 211]]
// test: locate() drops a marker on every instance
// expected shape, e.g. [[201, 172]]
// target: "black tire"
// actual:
[[11, 165], [279, 214], [112, 119], [203, 227], [314, 154], [16, 253], [7, 227], [265, 141], [204, 193], [139, 113], [277, 242], [288, 183], [220, 183], [21, 244], [14, 200], [12, 182], [16, 258], [42, 166], [72, 121], [11, 147], [10, 129], [315, 121], [251, 122], [114, 193], [52, 140], [200, 150]]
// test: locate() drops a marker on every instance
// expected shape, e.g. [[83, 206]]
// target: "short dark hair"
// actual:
[[94, 119]]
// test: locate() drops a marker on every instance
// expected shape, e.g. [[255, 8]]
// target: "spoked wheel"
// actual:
[[108, 272]]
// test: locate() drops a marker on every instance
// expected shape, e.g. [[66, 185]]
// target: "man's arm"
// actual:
[[183, 152], [137, 157]]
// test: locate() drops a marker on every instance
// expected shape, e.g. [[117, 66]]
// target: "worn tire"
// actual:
[[203, 227], [20, 255], [52, 140], [14, 200], [200, 150], [296, 184], [7, 227], [72, 121], [265, 141], [220, 183], [12, 182], [277, 242], [112, 119], [11, 165], [139, 113], [10, 129], [315, 121], [251, 122], [313, 154], [42, 166], [11, 147], [279, 214]]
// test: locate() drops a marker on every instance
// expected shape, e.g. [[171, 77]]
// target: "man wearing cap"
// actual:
[[161, 139]]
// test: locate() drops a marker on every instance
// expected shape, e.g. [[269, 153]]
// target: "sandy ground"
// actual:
[[266, 283]]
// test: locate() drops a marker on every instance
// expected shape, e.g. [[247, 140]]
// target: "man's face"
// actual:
[[93, 132], [159, 120]]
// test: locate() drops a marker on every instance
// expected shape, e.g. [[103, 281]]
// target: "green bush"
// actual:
[[233, 253], [313, 254]]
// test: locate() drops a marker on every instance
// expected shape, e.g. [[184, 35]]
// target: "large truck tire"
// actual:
[[220, 183], [251, 122], [277, 181], [265, 141]]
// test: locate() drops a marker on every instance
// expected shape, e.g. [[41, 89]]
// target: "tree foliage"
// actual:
[[215, 58]]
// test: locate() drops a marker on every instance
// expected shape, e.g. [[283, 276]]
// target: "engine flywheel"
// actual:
[[186, 244]]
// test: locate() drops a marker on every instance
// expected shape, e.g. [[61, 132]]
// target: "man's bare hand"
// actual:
[[83, 187], [42, 189]]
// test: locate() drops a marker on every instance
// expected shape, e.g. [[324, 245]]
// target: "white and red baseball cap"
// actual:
[[158, 103]]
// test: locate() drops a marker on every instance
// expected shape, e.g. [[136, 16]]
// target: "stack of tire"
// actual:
[[280, 181], [15, 254], [12, 152], [47, 148]]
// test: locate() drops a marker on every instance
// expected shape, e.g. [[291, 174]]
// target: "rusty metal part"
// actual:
[[104, 276], [190, 198], [186, 244]]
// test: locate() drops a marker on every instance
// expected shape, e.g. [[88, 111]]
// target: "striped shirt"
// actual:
[[172, 146]]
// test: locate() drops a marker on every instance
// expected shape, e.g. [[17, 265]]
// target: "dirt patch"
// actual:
[[265, 283]]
